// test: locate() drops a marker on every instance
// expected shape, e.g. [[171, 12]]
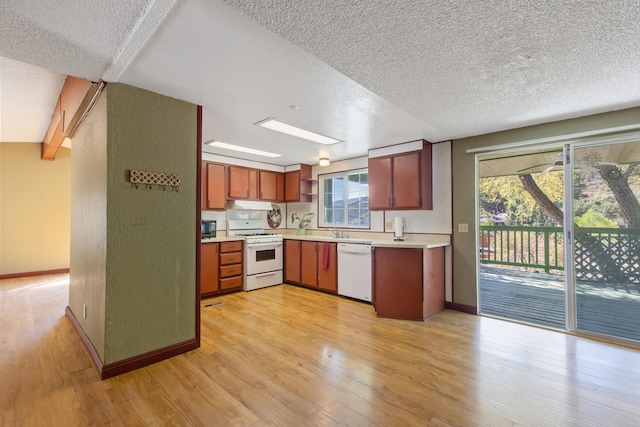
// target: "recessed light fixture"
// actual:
[[324, 161], [273, 124], [218, 144]]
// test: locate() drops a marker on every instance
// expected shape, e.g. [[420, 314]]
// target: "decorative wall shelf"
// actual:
[[137, 177]]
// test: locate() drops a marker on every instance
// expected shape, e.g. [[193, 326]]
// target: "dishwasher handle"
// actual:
[[354, 248]]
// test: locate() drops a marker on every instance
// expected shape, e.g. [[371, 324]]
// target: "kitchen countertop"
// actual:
[[418, 244], [221, 239]]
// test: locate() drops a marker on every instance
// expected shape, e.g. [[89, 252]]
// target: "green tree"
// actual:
[[503, 194], [593, 219]]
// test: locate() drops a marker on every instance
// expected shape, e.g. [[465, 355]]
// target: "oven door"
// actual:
[[264, 257]]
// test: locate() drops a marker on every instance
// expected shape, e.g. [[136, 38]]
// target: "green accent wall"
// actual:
[[151, 234], [464, 186], [142, 273], [88, 254]]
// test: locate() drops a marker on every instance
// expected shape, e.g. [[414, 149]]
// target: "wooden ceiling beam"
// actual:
[[75, 101]]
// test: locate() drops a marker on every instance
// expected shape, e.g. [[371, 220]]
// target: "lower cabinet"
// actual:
[[311, 264], [209, 268], [221, 268], [408, 283]]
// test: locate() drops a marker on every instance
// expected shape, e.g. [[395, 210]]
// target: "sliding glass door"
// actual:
[[606, 239], [559, 237], [521, 236]]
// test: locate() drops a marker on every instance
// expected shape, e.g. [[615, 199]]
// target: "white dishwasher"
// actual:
[[354, 270]]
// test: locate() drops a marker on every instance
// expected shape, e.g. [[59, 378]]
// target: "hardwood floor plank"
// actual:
[[287, 355]]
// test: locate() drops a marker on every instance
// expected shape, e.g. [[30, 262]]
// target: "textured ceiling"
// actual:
[[28, 95], [472, 67], [371, 73]]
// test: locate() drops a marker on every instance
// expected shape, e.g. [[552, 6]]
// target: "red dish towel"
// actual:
[[325, 254]]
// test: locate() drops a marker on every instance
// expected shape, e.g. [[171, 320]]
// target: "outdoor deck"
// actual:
[[605, 308]]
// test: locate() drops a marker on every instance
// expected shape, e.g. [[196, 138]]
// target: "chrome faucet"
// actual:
[[337, 233]]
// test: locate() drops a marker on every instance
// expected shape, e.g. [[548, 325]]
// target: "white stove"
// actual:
[[263, 253]]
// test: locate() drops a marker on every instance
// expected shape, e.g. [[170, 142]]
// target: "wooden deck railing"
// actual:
[[534, 247], [601, 254]]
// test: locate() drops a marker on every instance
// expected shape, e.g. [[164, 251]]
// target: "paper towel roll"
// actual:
[[398, 230]]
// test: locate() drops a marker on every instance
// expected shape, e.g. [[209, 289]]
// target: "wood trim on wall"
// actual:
[[199, 184], [97, 362], [461, 307], [33, 273], [132, 363], [145, 359]]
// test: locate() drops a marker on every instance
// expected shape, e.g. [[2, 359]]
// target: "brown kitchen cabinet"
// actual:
[[328, 277], [401, 181], [297, 185], [209, 269], [213, 186], [243, 183], [408, 283], [271, 186], [221, 268], [304, 265], [292, 261], [280, 188]]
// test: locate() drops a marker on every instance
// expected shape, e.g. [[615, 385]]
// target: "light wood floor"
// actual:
[[294, 357]]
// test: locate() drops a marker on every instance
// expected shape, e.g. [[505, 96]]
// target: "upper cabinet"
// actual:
[[243, 183], [221, 182], [271, 186], [401, 181], [297, 185], [214, 195]]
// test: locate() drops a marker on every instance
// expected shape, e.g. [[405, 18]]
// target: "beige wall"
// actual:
[[464, 185], [34, 209]]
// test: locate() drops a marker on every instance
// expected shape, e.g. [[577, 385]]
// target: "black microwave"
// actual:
[[208, 229]]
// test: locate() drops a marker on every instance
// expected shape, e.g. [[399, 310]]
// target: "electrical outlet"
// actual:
[[388, 226], [84, 311], [463, 228], [404, 223]]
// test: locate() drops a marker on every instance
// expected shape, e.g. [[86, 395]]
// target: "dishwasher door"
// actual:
[[354, 271]]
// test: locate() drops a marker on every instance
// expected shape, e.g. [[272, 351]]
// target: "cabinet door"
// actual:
[[208, 268], [253, 184], [398, 283], [292, 261], [309, 264], [215, 196], [380, 183], [268, 185], [328, 277], [280, 187], [292, 186], [238, 182], [406, 181]]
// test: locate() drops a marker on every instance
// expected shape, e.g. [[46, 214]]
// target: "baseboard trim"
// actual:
[[132, 363], [97, 362], [142, 360], [33, 273], [462, 307]]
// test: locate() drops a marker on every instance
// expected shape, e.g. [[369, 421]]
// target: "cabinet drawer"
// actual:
[[231, 270], [231, 258], [231, 246], [230, 283]]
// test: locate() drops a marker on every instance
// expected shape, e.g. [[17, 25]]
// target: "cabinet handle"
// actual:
[[389, 201]]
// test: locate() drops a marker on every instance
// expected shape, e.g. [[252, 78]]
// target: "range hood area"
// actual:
[[255, 205]]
